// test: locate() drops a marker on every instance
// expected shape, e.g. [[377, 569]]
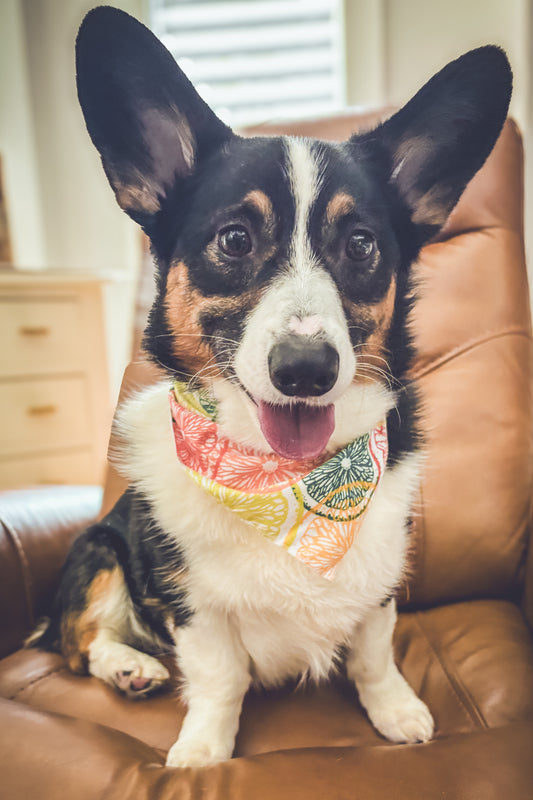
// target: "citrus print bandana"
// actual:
[[311, 509]]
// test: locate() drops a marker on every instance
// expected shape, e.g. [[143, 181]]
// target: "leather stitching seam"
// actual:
[[471, 344]]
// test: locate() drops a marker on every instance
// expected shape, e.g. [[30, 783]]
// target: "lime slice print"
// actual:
[[340, 488]]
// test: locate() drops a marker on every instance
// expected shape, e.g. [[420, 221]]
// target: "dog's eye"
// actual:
[[360, 246], [235, 241]]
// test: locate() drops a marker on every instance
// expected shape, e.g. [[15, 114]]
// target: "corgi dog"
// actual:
[[272, 473]]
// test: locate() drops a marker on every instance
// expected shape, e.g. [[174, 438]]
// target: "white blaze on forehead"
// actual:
[[302, 299], [305, 179]]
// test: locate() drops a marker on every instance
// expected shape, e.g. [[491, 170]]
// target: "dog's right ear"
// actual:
[[143, 115]]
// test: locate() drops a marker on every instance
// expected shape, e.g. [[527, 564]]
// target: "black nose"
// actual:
[[303, 367]]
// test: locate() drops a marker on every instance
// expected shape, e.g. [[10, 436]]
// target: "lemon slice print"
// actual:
[[199, 402], [267, 513]]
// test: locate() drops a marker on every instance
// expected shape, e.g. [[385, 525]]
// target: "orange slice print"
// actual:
[[324, 544]]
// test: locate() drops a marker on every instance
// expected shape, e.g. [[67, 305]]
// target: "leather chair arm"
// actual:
[[37, 527]]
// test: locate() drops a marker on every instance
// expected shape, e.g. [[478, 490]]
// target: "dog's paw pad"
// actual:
[[140, 684], [137, 684], [145, 677]]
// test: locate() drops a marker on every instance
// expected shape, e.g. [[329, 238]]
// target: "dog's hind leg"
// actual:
[[97, 628], [111, 618]]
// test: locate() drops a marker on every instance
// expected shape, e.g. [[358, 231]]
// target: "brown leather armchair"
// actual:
[[463, 640]]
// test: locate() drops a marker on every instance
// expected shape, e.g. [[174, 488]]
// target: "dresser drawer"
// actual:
[[57, 469], [40, 336], [42, 415]]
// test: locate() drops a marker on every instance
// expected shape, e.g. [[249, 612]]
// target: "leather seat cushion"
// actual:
[[471, 662]]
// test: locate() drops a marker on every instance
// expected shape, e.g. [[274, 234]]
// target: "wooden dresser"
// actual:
[[55, 408]]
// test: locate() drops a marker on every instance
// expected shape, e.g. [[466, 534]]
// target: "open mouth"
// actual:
[[296, 430]]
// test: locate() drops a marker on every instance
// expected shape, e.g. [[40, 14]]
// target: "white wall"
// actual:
[[366, 56], [394, 46], [17, 142], [84, 228], [422, 36], [81, 226]]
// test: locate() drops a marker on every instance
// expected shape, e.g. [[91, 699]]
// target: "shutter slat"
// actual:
[[200, 15], [236, 67], [266, 38], [247, 94], [266, 113]]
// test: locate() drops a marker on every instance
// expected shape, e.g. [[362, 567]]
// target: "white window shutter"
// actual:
[[258, 60]]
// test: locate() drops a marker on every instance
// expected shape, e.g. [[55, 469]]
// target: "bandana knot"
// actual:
[[312, 509]]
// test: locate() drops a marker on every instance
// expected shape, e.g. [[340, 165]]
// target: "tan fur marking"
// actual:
[[136, 198], [372, 354], [415, 147], [78, 630], [261, 202], [431, 209], [135, 194], [184, 305], [339, 206]]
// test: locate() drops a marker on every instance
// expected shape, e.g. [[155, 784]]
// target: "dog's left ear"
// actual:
[[438, 141], [142, 113]]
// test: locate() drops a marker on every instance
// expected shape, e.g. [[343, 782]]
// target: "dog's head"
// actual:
[[283, 263]]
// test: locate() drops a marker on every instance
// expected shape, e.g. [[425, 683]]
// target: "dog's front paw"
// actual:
[[408, 722], [197, 753], [402, 719]]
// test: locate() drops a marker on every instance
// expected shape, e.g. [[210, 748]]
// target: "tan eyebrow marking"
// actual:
[[261, 202], [339, 206]]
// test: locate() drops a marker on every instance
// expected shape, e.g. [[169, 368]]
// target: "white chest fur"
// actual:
[[289, 619]]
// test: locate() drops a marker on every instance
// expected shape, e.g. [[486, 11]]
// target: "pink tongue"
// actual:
[[296, 431]]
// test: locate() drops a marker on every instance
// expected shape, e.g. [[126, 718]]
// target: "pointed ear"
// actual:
[[438, 141], [143, 115]]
